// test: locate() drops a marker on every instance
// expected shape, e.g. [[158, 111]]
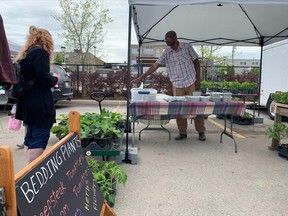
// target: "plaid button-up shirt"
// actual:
[[179, 64]]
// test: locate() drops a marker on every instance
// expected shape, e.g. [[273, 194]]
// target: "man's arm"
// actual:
[[198, 78], [151, 70]]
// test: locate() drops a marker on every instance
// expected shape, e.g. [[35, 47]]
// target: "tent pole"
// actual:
[[126, 160], [260, 76], [140, 71]]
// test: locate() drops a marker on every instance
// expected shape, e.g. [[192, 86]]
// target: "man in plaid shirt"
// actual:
[[183, 68]]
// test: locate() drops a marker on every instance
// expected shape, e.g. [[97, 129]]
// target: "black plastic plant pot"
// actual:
[[283, 150], [86, 141], [242, 121], [103, 142]]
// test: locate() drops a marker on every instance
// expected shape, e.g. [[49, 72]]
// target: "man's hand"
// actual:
[[136, 80], [150, 70]]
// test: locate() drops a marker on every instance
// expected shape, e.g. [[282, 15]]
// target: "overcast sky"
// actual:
[[18, 15]]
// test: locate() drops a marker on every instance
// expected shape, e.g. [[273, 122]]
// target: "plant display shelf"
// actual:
[[112, 152], [89, 151], [280, 110]]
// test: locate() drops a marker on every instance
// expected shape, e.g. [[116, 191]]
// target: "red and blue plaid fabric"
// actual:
[[172, 110]]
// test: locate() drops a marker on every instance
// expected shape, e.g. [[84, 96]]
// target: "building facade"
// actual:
[[150, 53]]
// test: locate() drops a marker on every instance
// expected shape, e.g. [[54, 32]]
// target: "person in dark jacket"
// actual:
[[36, 106]]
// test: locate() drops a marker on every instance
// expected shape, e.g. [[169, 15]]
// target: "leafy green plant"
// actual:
[[103, 129], [249, 87], [92, 124], [254, 87], [204, 85], [247, 115], [278, 131], [280, 97], [62, 129], [216, 86], [87, 120], [118, 119], [107, 174], [225, 85], [234, 86], [85, 131]]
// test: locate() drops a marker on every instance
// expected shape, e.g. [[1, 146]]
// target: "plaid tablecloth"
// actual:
[[172, 110]]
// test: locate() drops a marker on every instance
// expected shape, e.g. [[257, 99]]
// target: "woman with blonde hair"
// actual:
[[36, 106]]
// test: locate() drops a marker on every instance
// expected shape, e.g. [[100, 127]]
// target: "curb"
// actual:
[[93, 102]]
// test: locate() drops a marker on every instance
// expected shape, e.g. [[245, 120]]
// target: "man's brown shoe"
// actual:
[[181, 136]]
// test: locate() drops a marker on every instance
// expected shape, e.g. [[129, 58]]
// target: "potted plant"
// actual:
[[253, 87], [234, 87], [119, 119], [103, 133], [86, 135], [277, 133], [204, 86], [92, 126], [249, 87], [246, 119], [280, 97], [107, 174], [62, 129], [225, 86], [216, 86]]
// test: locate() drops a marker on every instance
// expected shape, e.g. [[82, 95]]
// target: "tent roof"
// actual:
[[226, 22]]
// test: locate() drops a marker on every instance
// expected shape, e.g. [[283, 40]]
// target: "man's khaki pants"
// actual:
[[182, 122]]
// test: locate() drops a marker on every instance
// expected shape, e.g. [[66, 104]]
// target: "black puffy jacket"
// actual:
[[36, 107]]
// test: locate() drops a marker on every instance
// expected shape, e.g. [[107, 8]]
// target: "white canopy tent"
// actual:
[[208, 22], [228, 22]]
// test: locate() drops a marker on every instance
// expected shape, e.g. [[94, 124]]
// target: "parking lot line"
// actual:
[[228, 130]]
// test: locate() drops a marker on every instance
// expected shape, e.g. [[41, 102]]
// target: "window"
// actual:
[[134, 51], [158, 53], [148, 51]]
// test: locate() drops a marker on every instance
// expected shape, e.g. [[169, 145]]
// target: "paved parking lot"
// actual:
[[190, 177]]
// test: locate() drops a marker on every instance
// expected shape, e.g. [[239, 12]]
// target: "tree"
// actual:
[[255, 71], [83, 25], [210, 57], [58, 59]]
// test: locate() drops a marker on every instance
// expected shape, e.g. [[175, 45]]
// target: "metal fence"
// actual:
[[112, 78]]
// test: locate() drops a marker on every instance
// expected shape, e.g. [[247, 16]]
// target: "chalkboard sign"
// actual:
[[62, 184]]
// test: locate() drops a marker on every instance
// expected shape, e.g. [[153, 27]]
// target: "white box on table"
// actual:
[[197, 93], [227, 96], [204, 98], [192, 98], [216, 96], [147, 94]]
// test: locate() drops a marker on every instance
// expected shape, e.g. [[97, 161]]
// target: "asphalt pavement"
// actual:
[[189, 177]]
